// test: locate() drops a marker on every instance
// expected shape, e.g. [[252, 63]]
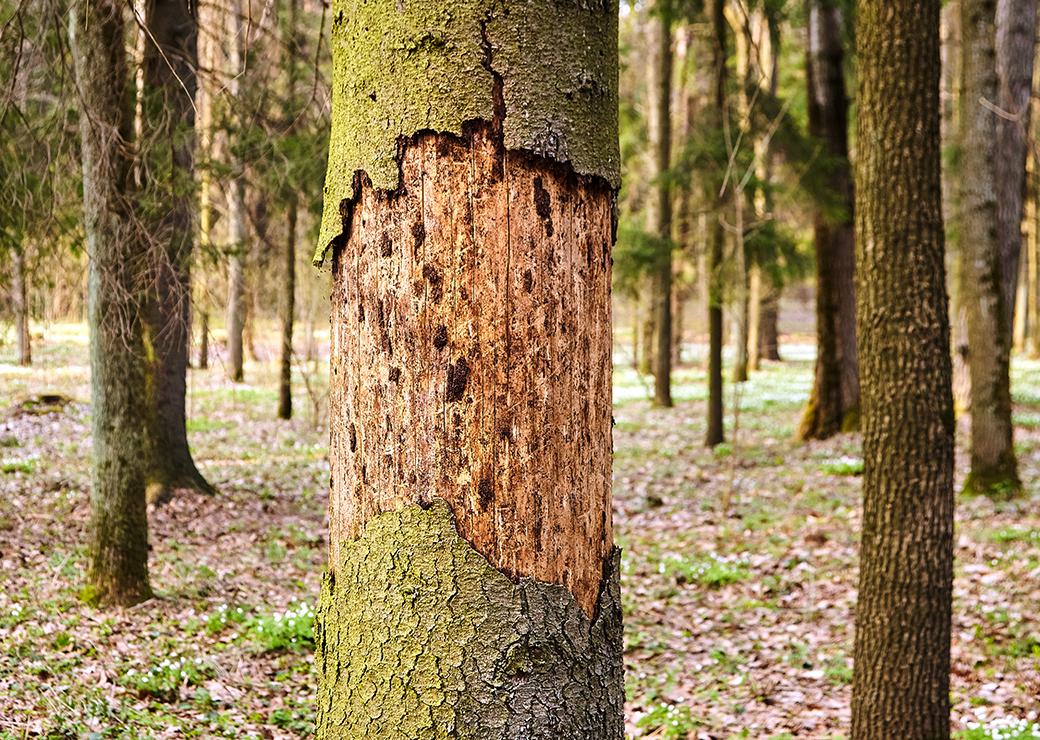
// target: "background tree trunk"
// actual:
[[20, 306], [118, 547], [1015, 50], [470, 402], [168, 144], [834, 401], [288, 309], [994, 469], [659, 206], [716, 236], [236, 197], [901, 687]]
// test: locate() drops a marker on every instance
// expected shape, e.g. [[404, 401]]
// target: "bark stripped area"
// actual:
[[471, 356]]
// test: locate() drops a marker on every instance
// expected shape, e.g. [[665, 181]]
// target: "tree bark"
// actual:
[[659, 206], [168, 154], [236, 197], [1015, 51], [994, 469], [902, 645], [204, 341], [20, 306], [118, 545], [288, 309], [472, 589], [715, 434], [834, 400]]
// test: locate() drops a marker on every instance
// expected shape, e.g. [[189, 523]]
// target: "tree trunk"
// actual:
[[659, 205], [1015, 50], [118, 546], [715, 193], [204, 341], [288, 309], [994, 470], [236, 198], [20, 306], [473, 585], [901, 686], [168, 146], [834, 400], [768, 323]]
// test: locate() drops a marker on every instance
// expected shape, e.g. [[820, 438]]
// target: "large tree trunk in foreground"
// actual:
[[118, 546], [659, 205], [714, 193], [994, 469], [902, 647], [1015, 50], [473, 585], [168, 126], [834, 401], [20, 306]]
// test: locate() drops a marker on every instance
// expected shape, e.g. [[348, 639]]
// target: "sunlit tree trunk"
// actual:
[[168, 152], [118, 540], [994, 469], [901, 684], [834, 401], [659, 207], [472, 588]]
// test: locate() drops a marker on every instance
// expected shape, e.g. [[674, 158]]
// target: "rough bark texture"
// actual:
[[834, 401], [994, 469], [470, 395], [714, 433], [20, 306], [902, 645], [168, 136], [1015, 42], [464, 651], [659, 205], [288, 311], [118, 547]]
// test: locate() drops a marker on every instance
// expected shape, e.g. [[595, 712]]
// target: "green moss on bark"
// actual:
[[546, 70], [418, 637]]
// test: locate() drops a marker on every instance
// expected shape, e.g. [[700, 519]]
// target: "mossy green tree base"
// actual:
[[418, 637], [1000, 484]]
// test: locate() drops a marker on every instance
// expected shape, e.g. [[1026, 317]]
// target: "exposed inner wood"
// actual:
[[471, 356]]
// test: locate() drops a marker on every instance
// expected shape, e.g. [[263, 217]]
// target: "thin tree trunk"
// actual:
[[901, 685], [118, 544], [994, 470], [1015, 50], [754, 321], [236, 197], [714, 434], [769, 323], [288, 309], [168, 129], [204, 341], [834, 400], [660, 203], [20, 306], [470, 515]]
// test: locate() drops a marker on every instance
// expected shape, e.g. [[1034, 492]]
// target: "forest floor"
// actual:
[[739, 566]]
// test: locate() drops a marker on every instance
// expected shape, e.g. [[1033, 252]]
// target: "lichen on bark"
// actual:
[[420, 637], [435, 66]]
